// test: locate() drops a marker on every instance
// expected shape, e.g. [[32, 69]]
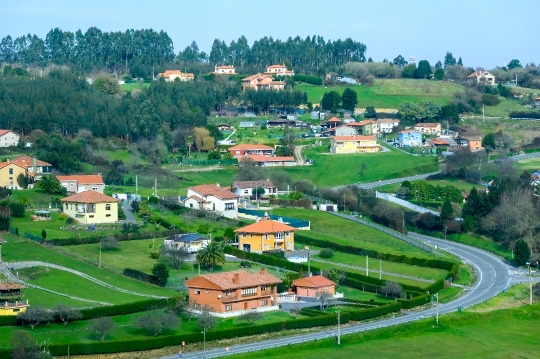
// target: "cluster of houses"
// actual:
[[437, 138]]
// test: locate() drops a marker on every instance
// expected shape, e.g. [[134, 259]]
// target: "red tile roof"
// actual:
[[4, 164], [82, 179], [317, 281], [366, 122], [439, 141], [89, 197], [354, 124], [276, 67], [253, 184], [266, 225], [225, 280], [196, 198], [224, 67], [26, 161], [214, 190], [334, 119], [11, 286], [428, 125], [261, 158], [354, 138], [387, 120], [478, 73], [250, 147], [3, 132]]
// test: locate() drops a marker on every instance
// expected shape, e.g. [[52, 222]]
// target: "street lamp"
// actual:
[[445, 230], [530, 283], [308, 264], [338, 327]]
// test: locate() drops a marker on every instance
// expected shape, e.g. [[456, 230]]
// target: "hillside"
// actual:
[[390, 93]]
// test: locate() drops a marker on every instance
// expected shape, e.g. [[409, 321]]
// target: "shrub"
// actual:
[[143, 277], [161, 272], [326, 253], [155, 254], [16, 209]]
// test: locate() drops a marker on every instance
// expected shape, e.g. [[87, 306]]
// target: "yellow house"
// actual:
[[9, 171], [266, 235], [354, 144], [10, 299], [91, 207]]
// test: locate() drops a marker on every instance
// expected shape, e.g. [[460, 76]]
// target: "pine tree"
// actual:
[[447, 212], [522, 252]]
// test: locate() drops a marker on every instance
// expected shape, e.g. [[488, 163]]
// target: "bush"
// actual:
[[143, 277], [313, 80], [326, 253], [524, 114], [161, 272], [16, 209]]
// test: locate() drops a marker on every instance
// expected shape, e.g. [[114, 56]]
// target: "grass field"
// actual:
[[132, 86], [50, 300], [529, 164], [390, 93], [499, 334], [454, 182], [483, 243]]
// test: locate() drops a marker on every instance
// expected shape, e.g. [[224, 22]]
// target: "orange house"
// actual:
[[310, 286], [234, 291], [260, 81], [475, 144], [266, 235]]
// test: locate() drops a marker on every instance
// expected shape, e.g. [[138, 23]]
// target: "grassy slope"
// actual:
[[459, 184], [133, 86], [390, 93]]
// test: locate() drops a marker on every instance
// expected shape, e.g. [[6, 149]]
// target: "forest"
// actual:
[[144, 52]]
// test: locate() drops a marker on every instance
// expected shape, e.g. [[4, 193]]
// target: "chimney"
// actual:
[[263, 271], [236, 278]]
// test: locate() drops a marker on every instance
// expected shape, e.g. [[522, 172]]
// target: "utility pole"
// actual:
[[437, 315], [99, 254], [136, 184], [530, 283], [380, 269], [367, 266], [483, 114], [308, 264], [338, 327]]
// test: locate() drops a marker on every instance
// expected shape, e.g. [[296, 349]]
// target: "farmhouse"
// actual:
[[245, 188], [278, 70], [190, 242], [224, 70], [90, 207], [482, 76], [367, 127], [354, 144], [270, 161], [251, 149], [81, 183], [8, 138], [266, 235], [213, 197], [475, 143], [428, 128], [410, 138], [234, 292], [172, 75], [311, 286], [34, 167], [260, 81]]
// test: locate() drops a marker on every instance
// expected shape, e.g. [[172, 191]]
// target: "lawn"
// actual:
[[529, 164], [132, 86], [356, 294], [454, 182], [482, 243], [465, 276], [500, 334], [20, 249], [45, 299], [389, 94], [37, 199]]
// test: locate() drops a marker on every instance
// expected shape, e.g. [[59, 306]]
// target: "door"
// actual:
[[245, 306]]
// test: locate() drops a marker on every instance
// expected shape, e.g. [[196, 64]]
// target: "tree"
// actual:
[[16, 209], [156, 322], [460, 62], [514, 64], [22, 181], [324, 297], [189, 143], [248, 170], [370, 112], [35, 315], [399, 61], [206, 321], [522, 252], [409, 72], [44, 234], [182, 306], [214, 155], [439, 74], [349, 99], [26, 347], [203, 140], [161, 272], [176, 256], [211, 255], [424, 69], [102, 327], [449, 60], [286, 142], [331, 101], [110, 243], [251, 317], [107, 84], [258, 192], [392, 289], [135, 205], [50, 184], [66, 314], [489, 141], [447, 212], [326, 253]]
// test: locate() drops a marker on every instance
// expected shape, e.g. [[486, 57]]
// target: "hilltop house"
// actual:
[[260, 81], [251, 149], [91, 207], [311, 286], [172, 75], [224, 70], [232, 293], [8, 138], [410, 138], [266, 235], [278, 70], [354, 144], [190, 242], [245, 188], [213, 197], [482, 76], [428, 128], [81, 183]]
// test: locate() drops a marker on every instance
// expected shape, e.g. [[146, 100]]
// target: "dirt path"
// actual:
[[199, 169], [298, 154]]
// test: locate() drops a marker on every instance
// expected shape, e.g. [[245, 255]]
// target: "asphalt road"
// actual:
[[492, 274], [385, 182]]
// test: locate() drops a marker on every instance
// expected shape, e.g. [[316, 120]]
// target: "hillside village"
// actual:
[[171, 212]]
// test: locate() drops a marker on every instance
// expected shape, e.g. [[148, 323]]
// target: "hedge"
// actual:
[[137, 274], [121, 237], [170, 340], [414, 301], [422, 262], [364, 314], [313, 80]]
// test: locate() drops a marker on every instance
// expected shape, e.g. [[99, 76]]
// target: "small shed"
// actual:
[[41, 215]]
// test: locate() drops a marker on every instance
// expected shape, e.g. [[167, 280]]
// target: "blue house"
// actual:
[[410, 138]]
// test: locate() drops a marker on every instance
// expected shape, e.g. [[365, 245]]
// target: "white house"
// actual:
[[81, 183], [345, 131], [482, 76], [387, 125], [224, 70], [212, 197], [245, 188], [428, 128], [278, 70], [190, 242], [8, 138]]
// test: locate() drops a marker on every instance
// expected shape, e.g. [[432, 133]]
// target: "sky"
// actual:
[[484, 33]]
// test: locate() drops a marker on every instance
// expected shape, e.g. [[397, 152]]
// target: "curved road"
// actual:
[[492, 278]]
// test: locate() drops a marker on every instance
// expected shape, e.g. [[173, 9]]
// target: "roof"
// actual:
[[439, 141], [410, 131], [259, 77], [261, 158], [3, 132], [317, 281], [7, 163], [82, 179], [276, 66], [187, 237], [354, 138], [250, 147], [89, 197], [213, 190], [537, 99], [479, 73], [334, 119], [26, 161], [196, 198], [387, 120], [428, 124], [474, 138], [366, 122], [225, 280], [277, 83], [266, 225], [253, 184], [224, 67], [11, 286]]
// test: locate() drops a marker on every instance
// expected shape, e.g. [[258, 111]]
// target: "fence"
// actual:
[[404, 203], [34, 238], [232, 161], [293, 222], [13, 231], [389, 231]]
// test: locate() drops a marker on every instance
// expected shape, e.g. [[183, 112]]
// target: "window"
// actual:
[[108, 207], [287, 234], [94, 188], [196, 291], [267, 236], [107, 215], [288, 244], [11, 171], [67, 206], [91, 216], [196, 305], [229, 206], [249, 292], [243, 235], [251, 235], [228, 307], [71, 185], [246, 191], [191, 205], [267, 246], [263, 287], [227, 292], [263, 302], [16, 310]]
